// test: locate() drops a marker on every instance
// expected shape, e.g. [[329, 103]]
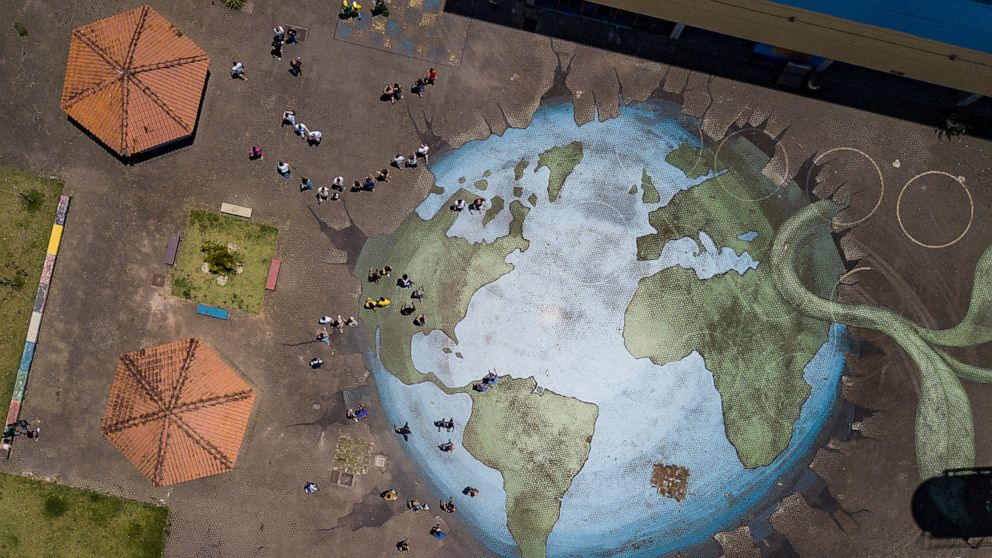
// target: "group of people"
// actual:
[[283, 36], [404, 282], [476, 205], [17, 428], [312, 137], [400, 162], [394, 92], [488, 381]]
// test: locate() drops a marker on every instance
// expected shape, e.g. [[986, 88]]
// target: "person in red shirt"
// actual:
[[431, 76]]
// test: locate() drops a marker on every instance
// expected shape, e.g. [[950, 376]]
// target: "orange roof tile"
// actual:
[[134, 81], [177, 411]]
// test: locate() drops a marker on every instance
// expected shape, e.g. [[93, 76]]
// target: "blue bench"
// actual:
[[212, 311]]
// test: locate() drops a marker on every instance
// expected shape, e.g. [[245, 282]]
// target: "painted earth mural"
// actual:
[[654, 386]]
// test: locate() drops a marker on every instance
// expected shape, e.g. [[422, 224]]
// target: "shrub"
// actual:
[[220, 260], [32, 199], [20, 29], [234, 4]]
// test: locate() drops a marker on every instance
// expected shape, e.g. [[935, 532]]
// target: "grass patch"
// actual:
[[234, 4], [27, 211], [20, 29], [46, 519], [210, 237]]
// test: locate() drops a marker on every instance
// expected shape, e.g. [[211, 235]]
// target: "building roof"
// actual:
[[177, 411], [134, 81], [962, 23]]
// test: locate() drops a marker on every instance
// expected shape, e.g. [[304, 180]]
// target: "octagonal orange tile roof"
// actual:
[[177, 411], [134, 81]]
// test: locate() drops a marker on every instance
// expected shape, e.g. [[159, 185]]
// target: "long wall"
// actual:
[[828, 36]]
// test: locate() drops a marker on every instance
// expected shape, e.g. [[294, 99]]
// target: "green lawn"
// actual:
[[255, 246], [25, 226], [46, 519]]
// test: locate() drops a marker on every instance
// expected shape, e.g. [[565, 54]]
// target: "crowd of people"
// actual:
[[282, 37]]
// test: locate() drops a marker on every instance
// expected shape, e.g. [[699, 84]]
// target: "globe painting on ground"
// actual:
[[654, 388]]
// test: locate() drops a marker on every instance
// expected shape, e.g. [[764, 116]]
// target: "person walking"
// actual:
[[404, 282], [289, 117], [383, 176], [459, 205], [284, 169], [278, 34], [291, 38], [310, 487], [306, 184], [403, 431], [431, 77], [238, 71], [418, 294], [296, 67], [314, 137], [422, 152], [316, 362], [398, 161], [255, 153], [403, 546], [447, 447], [420, 320], [301, 130], [322, 194], [277, 48]]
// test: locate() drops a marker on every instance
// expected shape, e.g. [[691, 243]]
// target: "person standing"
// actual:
[[322, 194], [296, 67], [284, 169], [314, 137], [398, 161], [422, 152], [404, 431], [310, 488], [316, 362], [306, 184], [431, 76]]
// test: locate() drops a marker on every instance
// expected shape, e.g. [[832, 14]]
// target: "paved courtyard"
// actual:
[[103, 303]]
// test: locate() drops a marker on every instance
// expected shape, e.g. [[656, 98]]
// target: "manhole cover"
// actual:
[[158, 280]]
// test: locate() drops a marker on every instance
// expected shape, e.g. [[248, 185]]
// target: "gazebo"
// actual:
[[177, 411], [134, 81]]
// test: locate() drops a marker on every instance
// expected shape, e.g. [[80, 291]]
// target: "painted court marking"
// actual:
[[878, 170], [971, 209]]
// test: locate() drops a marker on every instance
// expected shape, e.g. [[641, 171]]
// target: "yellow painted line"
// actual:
[[55, 240]]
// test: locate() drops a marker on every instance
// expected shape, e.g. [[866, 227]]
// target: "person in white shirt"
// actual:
[[398, 161], [422, 152], [284, 168], [289, 117], [313, 138], [238, 71], [301, 129], [338, 183]]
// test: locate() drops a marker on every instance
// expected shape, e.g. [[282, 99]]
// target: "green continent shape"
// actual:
[[481, 184], [519, 168], [753, 341], [539, 444], [449, 269], [495, 206], [649, 192], [561, 161]]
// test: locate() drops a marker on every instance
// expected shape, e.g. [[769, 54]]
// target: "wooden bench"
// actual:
[[172, 250], [238, 210], [270, 283], [212, 311]]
